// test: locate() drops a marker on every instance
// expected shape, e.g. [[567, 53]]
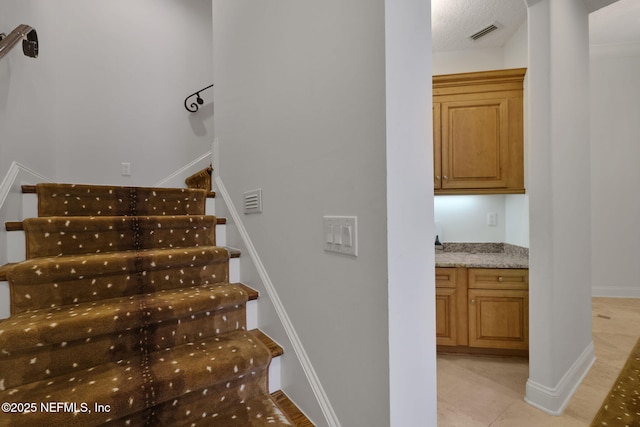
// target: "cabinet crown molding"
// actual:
[[508, 79]]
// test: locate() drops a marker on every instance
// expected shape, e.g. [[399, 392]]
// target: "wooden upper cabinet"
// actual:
[[478, 132]]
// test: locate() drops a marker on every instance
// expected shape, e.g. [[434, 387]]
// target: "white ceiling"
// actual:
[[453, 21]]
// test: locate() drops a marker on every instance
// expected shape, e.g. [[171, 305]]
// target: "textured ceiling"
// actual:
[[453, 21]]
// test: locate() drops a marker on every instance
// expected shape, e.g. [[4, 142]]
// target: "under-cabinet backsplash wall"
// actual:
[[464, 218]]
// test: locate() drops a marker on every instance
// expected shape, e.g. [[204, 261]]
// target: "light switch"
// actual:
[[328, 234], [340, 234], [346, 236], [337, 234]]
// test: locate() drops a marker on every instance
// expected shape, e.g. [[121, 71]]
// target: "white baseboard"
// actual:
[[553, 400]]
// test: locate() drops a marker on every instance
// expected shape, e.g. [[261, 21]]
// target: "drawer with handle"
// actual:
[[498, 278]]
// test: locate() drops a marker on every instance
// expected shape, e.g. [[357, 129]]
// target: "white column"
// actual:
[[561, 349], [410, 222]]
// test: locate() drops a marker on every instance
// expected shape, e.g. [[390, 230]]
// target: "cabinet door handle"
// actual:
[[500, 279], [437, 177], [446, 177], [473, 301]]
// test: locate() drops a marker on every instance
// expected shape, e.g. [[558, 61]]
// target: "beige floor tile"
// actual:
[[478, 391], [510, 372], [450, 416], [585, 403], [484, 399], [521, 414]]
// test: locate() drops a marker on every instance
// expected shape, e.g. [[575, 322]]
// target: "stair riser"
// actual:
[[16, 246], [29, 205], [252, 315], [210, 206], [5, 300], [234, 270], [84, 353]]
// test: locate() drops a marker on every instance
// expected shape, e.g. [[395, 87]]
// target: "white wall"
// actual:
[[108, 87], [301, 112], [516, 227], [466, 61], [27, 95], [464, 218], [516, 55], [516, 50], [615, 133]]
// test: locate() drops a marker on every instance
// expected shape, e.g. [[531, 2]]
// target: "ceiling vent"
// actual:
[[483, 32]]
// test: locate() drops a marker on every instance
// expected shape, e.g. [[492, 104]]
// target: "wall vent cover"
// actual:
[[483, 32], [253, 201]]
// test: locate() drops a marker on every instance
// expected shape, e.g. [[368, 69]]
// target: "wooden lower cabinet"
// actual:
[[446, 317], [498, 319], [482, 309], [451, 310]]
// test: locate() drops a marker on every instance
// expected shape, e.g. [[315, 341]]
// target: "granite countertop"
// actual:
[[482, 255]]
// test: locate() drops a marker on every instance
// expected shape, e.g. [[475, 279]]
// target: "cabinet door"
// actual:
[[446, 316], [499, 318], [437, 174], [451, 306], [475, 137]]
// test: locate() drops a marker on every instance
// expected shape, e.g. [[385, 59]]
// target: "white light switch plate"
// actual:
[[340, 234]]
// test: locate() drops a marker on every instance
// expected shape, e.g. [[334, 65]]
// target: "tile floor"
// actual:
[[478, 391]]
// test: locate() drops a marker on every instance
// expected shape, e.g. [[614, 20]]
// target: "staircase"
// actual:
[[123, 314]]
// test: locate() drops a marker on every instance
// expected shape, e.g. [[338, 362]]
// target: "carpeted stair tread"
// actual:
[[98, 200], [259, 411], [56, 236], [132, 385], [13, 226], [45, 327], [252, 293], [291, 410], [55, 281]]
